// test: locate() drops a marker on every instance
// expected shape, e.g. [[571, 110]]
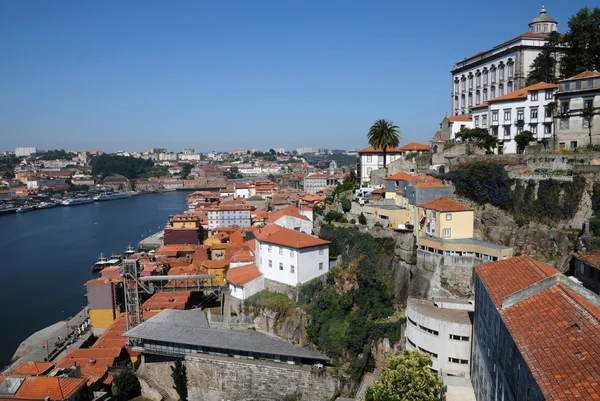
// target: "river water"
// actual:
[[46, 257]]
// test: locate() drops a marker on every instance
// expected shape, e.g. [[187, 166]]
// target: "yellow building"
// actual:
[[445, 227], [388, 215], [186, 221], [217, 267]]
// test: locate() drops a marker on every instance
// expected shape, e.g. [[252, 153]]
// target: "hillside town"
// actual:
[[311, 274]]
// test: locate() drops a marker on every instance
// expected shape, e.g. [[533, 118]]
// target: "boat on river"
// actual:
[[77, 201], [104, 262], [25, 209], [104, 196]]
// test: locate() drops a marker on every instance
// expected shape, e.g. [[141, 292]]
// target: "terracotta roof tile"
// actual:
[[522, 93], [242, 275], [558, 335], [430, 184], [585, 74], [445, 205], [57, 388], [456, 119], [291, 211], [412, 146], [589, 258], [371, 149], [32, 368], [505, 277], [401, 176], [291, 238]]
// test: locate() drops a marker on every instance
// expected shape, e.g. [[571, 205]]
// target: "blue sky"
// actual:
[[225, 75]]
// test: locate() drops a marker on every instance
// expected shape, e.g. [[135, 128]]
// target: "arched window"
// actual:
[[501, 72], [485, 77]]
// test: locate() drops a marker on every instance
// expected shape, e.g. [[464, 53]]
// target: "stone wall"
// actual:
[[212, 378], [275, 286], [291, 327]]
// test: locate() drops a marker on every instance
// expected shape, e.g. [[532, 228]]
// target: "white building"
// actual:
[[500, 70], [245, 281], [522, 110], [25, 151], [451, 125], [291, 257], [167, 156], [292, 218], [442, 329], [192, 157], [370, 159], [316, 182], [243, 191], [573, 96], [230, 215]]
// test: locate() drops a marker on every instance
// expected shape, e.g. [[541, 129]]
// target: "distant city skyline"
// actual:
[[130, 76]]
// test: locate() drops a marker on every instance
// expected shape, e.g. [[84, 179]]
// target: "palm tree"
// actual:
[[588, 115], [384, 134]]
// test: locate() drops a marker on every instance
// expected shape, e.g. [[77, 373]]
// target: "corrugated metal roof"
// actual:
[[192, 328]]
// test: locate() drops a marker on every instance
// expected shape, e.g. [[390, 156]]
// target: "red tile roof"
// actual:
[[413, 146], [291, 211], [167, 300], [242, 275], [32, 368], [505, 277], [401, 176], [480, 106], [445, 205], [522, 93], [585, 74], [455, 119], [558, 335], [291, 238], [57, 388], [430, 184], [589, 258], [371, 149]]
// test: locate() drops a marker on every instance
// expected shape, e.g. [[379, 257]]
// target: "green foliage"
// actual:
[[547, 171], [595, 227], [295, 396], [346, 204], [596, 200], [489, 183], [333, 215], [57, 154], [352, 221], [126, 386], [362, 219], [345, 309], [179, 375], [411, 155], [233, 173], [480, 137], [523, 138], [578, 49], [186, 168], [130, 167], [270, 300], [384, 134], [343, 187], [329, 200], [319, 210], [8, 164], [406, 377]]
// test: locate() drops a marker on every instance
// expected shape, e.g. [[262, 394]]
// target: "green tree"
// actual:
[[384, 134], [543, 68], [350, 178], [480, 137], [126, 386], [588, 115], [346, 204], [362, 219], [186, 168], [179, 375], [407, 377], [333, 215], [581, 43], [522, 139]]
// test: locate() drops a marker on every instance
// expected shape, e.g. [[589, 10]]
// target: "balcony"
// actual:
[[520, 122]]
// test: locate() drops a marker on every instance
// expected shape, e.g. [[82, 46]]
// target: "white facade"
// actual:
[[441, 329], [501, 70], [242, 192], [189, 157], [25, 151], [248, 289], [505, 118], [167, 156], [228, 218], [574, 95], [314, 183], [370, 161], [289, 265], [451, 125]]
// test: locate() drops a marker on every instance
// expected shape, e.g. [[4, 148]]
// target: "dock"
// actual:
[[152, 242]]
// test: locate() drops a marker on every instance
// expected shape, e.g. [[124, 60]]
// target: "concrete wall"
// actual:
[[295, 223], [213, 378], [448, 275]]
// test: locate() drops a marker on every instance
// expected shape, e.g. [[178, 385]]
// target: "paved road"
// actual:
[[32, 349]]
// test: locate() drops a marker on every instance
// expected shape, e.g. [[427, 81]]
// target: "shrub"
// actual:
[[362, 219], [333, 215], [346, 204], [126, 386], [270, 300], [483, 183], [352, 221]]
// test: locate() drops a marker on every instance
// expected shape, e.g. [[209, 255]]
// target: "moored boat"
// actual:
[[76, 201], [25, 209], [110, 196]]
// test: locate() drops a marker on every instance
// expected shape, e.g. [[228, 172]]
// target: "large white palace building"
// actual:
[[500, 70]]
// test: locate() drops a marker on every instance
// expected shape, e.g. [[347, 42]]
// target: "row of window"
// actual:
[[491, 73], [459, 338], [533, 128], [457, 360], [565, 86], [292, 268]]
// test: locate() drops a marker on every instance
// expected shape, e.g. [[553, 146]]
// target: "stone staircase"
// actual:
[[164, 394]]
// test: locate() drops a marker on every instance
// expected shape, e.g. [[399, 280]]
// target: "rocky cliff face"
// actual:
[[290, 326]]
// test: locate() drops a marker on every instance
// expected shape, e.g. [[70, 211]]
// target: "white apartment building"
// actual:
[[25, 151], [167, 156], [451, 125], [573, 96], [291, 257], [370, 159], [500, 70], [522, 110], [192, 157], [230, 215], [315, 182], [441, 328]]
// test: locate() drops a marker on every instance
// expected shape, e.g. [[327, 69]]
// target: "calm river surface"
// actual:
[[46, 257]]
